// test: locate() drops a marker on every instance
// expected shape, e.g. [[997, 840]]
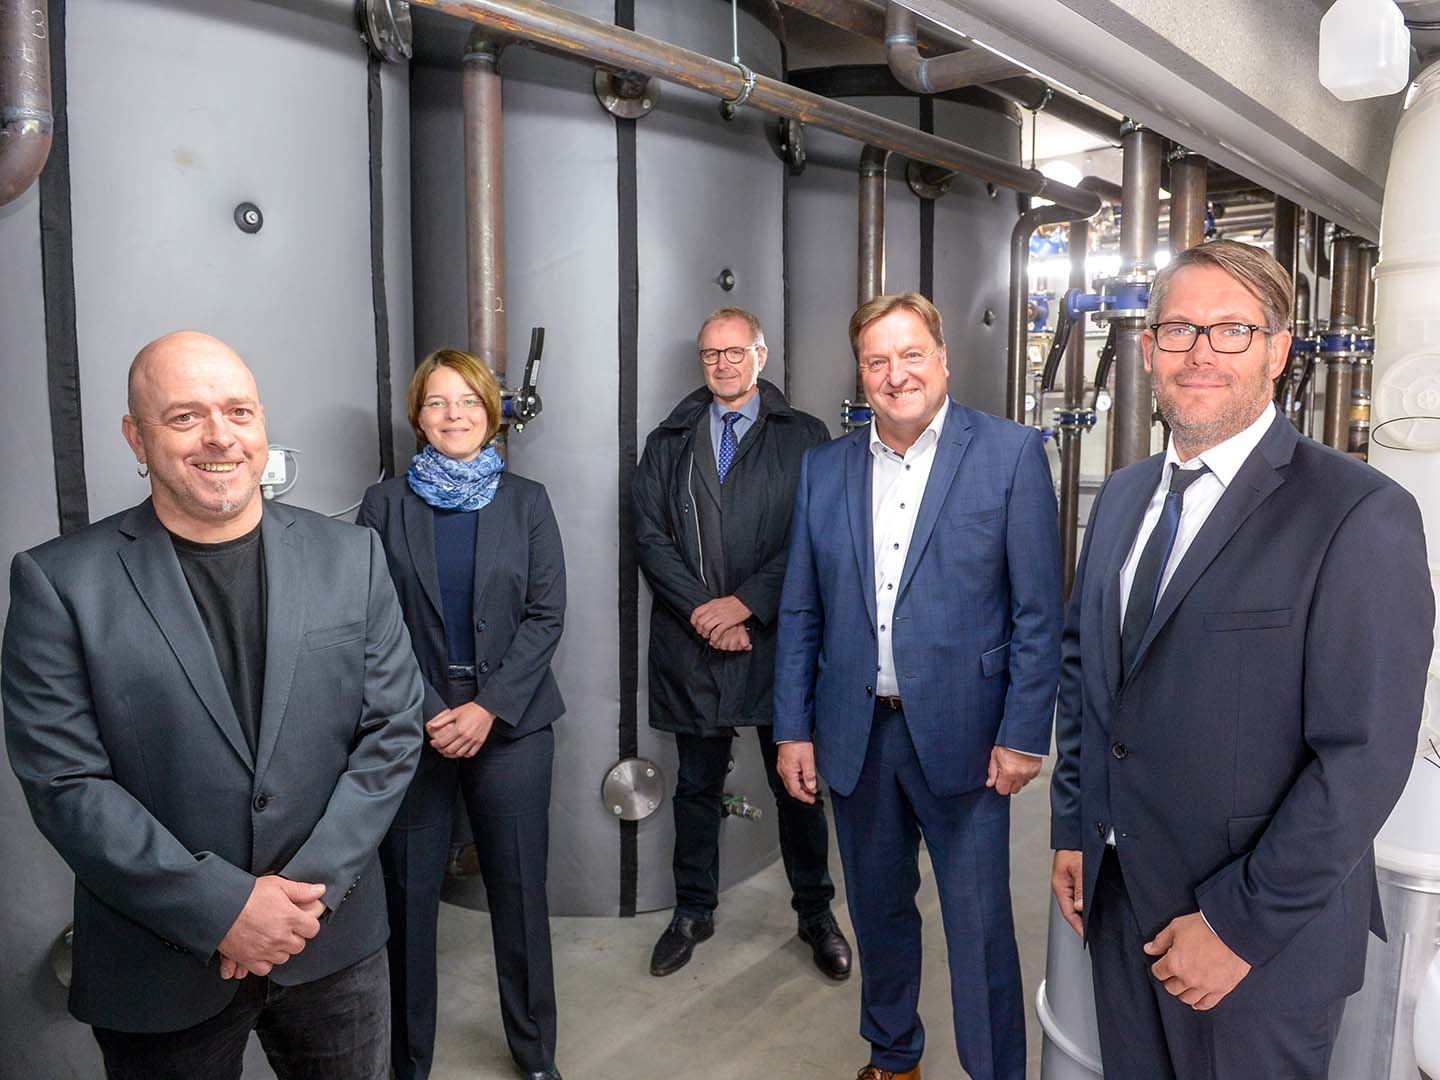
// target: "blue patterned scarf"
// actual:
[[448, 484]]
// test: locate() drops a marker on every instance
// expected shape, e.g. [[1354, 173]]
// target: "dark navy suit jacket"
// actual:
[[977, 617], [1268, 724]]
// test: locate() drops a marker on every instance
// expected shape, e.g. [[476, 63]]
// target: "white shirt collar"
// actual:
[[928, 437], [1225, 459]]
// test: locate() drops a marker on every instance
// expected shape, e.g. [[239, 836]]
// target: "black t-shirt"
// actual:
[[227, 581]]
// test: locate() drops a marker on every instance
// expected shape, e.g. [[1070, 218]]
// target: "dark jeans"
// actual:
[[335, 1028], [506, 789], [804, 833]]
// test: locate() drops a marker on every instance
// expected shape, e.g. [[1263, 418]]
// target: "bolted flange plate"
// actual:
[[633, 789], [629, 96]]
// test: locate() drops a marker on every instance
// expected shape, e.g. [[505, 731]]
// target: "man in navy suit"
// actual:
[[1244, 664], [916, 670]]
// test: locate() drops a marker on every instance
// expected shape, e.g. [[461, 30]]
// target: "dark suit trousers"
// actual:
[[1146, 1034], [879, 826], [699, 787], [506, 788]]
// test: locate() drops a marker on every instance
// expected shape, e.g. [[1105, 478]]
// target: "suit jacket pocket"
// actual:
[[325, 637], [996, 660], [974, 517], [1244, 832], [1248, 620]]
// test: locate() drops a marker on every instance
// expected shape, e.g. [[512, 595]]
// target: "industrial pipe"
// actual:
[[1133, 411], [26, 123], [1359, 441], [557, 30], [484, 201], [935, 75], [1187, 201], [870, 255], [1286, 234], [1019, 296], [1072, 432], [1340, 366]]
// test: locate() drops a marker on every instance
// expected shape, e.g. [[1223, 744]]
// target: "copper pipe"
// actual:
[[1134, 409], [26, 123], [1071, 437], [484, 201], [935, 75], [1187, 202], [560, 31]]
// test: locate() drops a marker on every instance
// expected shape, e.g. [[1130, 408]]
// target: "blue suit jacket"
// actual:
[[976, 633], [1268, 724]]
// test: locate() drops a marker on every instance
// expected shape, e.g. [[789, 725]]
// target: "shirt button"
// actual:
[[897, 547], [1120, 750], [890, 586], [261, 801], [902, 506], [882, 626]]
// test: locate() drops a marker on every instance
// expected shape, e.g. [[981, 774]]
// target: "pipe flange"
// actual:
[[626, 94], [787, 139], [387, 29], [633, 789], [730, 106], [928, 181]]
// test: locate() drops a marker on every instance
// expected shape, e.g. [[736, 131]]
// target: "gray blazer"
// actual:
[[135, 767]]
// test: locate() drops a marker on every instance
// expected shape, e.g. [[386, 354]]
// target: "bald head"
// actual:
[[153, 365]]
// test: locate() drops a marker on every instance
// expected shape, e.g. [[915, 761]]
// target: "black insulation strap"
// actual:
[[57, 258], [628, 276], [927, 214], [375, 104], [788, 381]]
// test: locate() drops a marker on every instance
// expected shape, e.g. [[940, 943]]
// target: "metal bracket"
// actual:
[[387, 29], [928, 181], [787, 139], [730, 106], [626, 94], [1074, 418], [521, 405], [854, 414]]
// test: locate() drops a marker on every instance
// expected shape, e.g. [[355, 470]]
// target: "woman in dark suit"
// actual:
[[475, 555]]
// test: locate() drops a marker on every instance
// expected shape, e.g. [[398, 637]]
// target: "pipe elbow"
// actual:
[[24, 149], [902, 50]]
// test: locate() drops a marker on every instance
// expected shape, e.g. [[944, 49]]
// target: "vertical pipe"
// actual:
[[26, 122], [1365, 328], [870, 251], [1286, 233], [1339, 368], [1071, 436], [1187, 201], [1016, 368], [484, 201], [1139, 234]]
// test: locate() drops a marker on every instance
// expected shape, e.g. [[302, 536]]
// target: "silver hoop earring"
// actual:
[[142, 469]]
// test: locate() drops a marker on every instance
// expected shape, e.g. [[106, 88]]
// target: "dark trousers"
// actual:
[[333, 1028], [879, 826], [1147, 1034], [699, 788], [506, 789]]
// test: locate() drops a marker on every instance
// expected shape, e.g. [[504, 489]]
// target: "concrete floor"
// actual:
[[750, 1004]]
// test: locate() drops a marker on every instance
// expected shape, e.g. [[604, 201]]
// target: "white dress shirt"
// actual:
[[897, 484], [1224, 461]]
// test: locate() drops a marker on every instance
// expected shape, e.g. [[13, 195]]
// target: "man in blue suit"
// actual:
[[916, 669], [1244, 664]]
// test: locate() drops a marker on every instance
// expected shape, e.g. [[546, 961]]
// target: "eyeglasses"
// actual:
[[912, 359], [440, 404], [734, 354], [1224, 337]]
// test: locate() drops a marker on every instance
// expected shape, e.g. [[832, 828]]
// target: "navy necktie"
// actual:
[[1145, 589], [728, 445]]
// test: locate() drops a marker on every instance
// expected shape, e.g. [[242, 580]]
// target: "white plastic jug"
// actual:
[[1364, 49]]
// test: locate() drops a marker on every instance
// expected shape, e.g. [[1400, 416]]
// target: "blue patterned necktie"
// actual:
[[728, 446], [1145, 589]]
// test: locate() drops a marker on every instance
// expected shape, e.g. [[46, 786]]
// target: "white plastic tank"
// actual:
[[1364, 49], [1383, 1030]]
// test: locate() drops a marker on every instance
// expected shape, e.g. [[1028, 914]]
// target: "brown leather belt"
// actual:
[[891, 701]]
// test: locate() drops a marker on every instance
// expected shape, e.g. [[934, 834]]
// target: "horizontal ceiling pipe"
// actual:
[[935, 75], [866, 18], [566, 33], [27, 124]]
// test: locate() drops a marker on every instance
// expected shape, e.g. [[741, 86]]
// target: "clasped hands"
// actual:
[[1193, 963], [277, 921], [721, 622], [460, 732]]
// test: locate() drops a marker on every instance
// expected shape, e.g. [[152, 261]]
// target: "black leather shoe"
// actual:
[[672, 951], [828, 944], [551, 1073]]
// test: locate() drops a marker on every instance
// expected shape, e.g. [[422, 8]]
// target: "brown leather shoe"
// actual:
[[874, 1072]]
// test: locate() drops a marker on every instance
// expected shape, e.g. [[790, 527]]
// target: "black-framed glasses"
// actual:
[[1224, 337], [735, 353]]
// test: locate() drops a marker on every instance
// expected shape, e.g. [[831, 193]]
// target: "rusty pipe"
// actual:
[[1344, 283], [1019, 297], [557, 30], [27, 124], [1187, 202], [935, 75], [1365, 288], [484, 201]]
